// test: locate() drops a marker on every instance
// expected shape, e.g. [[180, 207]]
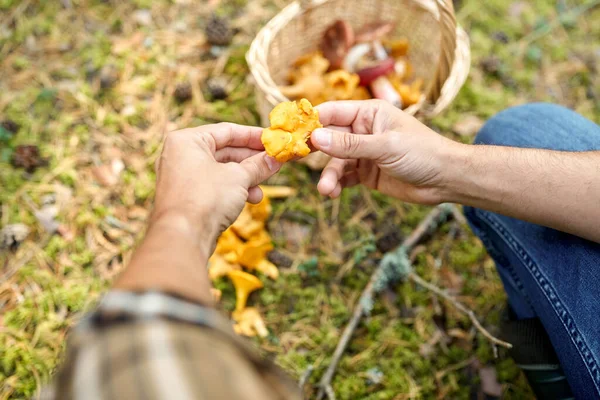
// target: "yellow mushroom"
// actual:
[[245, 226], [249, 323], [361, 93], [260, 211], [261, 237], [216, 294], [218, 267], [309, 64], [245, 284], [309, 87], [267, 268], [228, 242], [253, 256], [341, 84], [278, 192]]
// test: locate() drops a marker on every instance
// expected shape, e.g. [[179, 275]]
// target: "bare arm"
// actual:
[[557, 189], [399, 156]]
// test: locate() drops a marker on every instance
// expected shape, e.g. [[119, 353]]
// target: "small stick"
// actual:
[[305, 376], [330, 393], [368, 292], [454, 228], [460, 307]]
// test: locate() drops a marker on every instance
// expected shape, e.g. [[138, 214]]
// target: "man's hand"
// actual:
[[383, 148], [206, 174]]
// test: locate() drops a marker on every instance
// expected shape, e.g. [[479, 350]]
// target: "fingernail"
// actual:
[[322, 137], [273, 164]]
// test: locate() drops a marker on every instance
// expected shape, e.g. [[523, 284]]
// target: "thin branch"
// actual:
[[359, 310], [452, 233], [431, 221], [460, 307], [305, 376], [330, 393]]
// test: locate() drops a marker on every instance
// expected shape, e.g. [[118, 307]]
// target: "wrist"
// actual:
[[456, 161], [200, 228]]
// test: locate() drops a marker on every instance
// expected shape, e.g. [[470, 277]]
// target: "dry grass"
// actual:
[[54, 59]]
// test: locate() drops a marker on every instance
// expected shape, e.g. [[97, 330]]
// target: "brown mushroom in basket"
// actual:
[[337, 40]]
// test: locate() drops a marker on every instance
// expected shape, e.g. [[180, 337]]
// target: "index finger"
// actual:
[[362, 116], [226, 134]]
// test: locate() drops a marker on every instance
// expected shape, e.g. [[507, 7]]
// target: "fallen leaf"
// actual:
[[468, 126], [142, 17], [66, 232], [46, 216], [108, 174]]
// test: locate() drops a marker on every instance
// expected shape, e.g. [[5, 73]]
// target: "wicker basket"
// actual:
[[439, 50]]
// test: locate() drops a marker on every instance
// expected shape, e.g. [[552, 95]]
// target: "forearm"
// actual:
[[173, 260], [560, 190]]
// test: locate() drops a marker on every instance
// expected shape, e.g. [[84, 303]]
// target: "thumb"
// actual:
[[259, 168], [346, 145]]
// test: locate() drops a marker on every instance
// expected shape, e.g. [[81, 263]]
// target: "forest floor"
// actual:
[[92, 83]]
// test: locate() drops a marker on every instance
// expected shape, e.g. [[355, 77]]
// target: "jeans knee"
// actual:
[[510, 127]]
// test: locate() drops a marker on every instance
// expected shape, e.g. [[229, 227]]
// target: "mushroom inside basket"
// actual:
[[349, 65]]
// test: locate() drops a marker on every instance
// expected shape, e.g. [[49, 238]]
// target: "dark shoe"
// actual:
[[534, 354]]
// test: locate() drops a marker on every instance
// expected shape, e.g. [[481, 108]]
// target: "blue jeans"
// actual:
[[548, 274]]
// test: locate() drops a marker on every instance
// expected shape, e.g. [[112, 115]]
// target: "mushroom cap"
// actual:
[[341, 84], [261, 210], [218, 267], [244, 285], [245, 226], [337, 40], [249, 323], [291, 126], [374, 31], [369, 74], [228, 242], [244, 280], [253, 252]]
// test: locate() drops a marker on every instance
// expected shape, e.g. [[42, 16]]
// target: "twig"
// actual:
[[330, 393], [454, 228], [305, 376], [460, 307], [458, 216], [359, 309]]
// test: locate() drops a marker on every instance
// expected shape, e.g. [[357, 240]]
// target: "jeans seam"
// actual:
[[497, 256], [553, 298]]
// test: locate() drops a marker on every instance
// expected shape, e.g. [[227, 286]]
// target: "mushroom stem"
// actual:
[[244, 285], [383, 89]]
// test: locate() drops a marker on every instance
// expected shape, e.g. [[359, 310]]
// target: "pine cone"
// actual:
[[218, 31], [10, 125], [28, 157], [217, 88], [280, 259], [108, 76], [183, 92]]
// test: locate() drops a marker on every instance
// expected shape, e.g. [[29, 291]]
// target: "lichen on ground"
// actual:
[[93, 86]]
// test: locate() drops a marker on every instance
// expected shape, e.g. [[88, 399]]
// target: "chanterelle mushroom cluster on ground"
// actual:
[[245, 245]]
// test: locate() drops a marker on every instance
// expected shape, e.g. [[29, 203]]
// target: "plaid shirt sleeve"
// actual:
[[154, 346]]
